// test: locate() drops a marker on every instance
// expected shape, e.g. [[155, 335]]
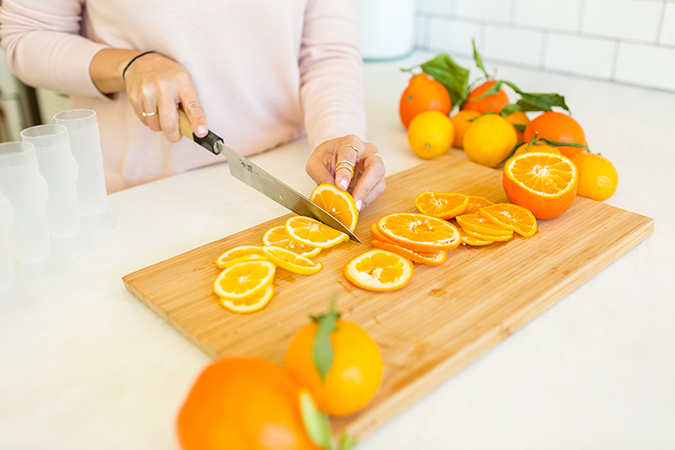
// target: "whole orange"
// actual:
[[598, 178], [460, 122], [431, 134], [243, 403], [492, 103], [518, 118], [489, 140], [557, 127], [354, 377], [423, 94]]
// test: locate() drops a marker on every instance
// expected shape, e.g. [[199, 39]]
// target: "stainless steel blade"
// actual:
[[262, 181]]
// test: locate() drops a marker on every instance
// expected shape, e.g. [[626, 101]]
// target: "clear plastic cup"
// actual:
[[85, 146], [6, 258]]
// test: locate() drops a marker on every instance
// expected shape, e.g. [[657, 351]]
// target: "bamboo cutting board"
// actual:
[[445, 318]]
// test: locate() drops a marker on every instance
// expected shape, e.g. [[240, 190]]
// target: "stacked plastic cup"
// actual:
[[59, 169], [6, 258], [85, 146]]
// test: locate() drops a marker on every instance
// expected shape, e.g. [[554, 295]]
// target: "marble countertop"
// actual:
[[85, 365]]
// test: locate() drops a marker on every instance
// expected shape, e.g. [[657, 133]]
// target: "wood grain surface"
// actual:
[[445, 318]]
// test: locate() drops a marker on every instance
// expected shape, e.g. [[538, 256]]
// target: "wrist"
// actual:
[[133, 60]]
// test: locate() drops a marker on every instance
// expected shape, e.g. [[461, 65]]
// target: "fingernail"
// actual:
[[344, 184], [359, 203], [201, 130]]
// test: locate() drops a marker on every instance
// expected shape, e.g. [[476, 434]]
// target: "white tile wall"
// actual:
[[580, 55], [624, 19], [646, 65], [668, 26], [549, 14], [441, 7], [492, 10], [454, 36], [513, 45]]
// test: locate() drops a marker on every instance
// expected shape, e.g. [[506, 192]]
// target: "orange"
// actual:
[[441, 204], [557, 127], [277, 237], [472, 240], [377, 234], [313, 233], [379, 270], [352, 378], [478, 224], [489, 140], [518, 118], [428, 258], [544, 183], [493, 103], [431, 134], [291, 261], [514, 217], [419, 232], [338, 203], [460, 122], [487, 237], [423, 94], [244, 279], [232, 254], [250, 304], [476, 203], [598, 178], [243, 403]]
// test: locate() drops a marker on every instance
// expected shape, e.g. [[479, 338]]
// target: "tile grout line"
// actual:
[[514, 11], [544, 49], [582, 10], [615, 61], [659, 29]]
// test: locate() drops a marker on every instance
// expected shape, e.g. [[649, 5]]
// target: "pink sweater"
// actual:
[[260, 68]]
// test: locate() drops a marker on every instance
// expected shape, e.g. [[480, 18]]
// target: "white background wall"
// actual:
[[629, 41]]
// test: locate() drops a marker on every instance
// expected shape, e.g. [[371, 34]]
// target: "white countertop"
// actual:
[[84, 365]]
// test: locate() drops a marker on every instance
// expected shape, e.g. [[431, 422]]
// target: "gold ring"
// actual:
[[371, 154], [345, 167], [148, 114], [344, 162], [349, 145]]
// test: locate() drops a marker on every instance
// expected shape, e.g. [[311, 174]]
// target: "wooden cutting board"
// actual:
[[445, 318]]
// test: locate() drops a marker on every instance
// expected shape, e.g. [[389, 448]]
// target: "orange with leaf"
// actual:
[[423, 94], [557, 127], [481, 103]]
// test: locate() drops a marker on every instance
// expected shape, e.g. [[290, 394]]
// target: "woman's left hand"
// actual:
[[366, 181]]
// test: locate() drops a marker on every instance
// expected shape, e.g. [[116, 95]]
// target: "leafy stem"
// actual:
[[322, 349]]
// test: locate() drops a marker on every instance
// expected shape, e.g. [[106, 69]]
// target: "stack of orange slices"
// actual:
[[496, 223]]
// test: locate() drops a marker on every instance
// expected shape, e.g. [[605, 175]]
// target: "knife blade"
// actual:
[[262, 181]]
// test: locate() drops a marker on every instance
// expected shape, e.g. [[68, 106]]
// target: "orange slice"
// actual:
[[511, 216], [251, 257], [487, 237], [419, 232], [379, 270], [277, 237], [291, 261], [544, 183], [338, 203], [428, 258], [237, 252], [441, 204], [472, 240], [312, 232], [475, 204], [250, 304], [481, 225], [377, 234], [244, 279]]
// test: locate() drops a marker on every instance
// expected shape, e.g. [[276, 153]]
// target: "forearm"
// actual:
[[107, 66]]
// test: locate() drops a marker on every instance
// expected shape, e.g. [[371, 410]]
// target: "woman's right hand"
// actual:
[[155, 83]]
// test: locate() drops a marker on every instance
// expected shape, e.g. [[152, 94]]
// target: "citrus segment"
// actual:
[[244, 279], [277, 237], [476, 203], [379, 270], [419, 232], [481, 225], [511, 216], [338, 203], [472, 240], [440, 204], [250, 304], [487, 237], [428, 258], [312, 232], [291, 261], [237, 252]]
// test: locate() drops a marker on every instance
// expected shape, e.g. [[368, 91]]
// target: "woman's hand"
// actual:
[[367, 180]]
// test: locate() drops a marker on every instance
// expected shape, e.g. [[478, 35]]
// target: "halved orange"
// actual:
[[291, 261], [487, 237], [419, 232], [428, 258], [472, 240], [338, 203], [237, 252], [481, 225], [544, 183], [250, 304], [312, 232], [444, 205], [379, 270], [277, 237], [476, 203], [514, 217], [244, 279]]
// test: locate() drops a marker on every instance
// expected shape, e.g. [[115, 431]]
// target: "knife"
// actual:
[[261, 180]]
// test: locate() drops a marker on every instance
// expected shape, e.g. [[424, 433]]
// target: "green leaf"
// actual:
[[492, 91], [562, 144], [509, 109], [317, 424], [513, 150], [519, 127], [541, 102], [478, 117], [322, 349], [478, 59], [454, 77], [347, 442]]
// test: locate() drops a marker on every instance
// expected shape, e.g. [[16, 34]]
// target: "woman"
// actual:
[[259, 73]]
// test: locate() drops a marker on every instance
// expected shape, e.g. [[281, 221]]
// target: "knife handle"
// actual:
[[208, 141]]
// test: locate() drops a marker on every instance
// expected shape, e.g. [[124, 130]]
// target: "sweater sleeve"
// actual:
[[44, 46], [331, 72]]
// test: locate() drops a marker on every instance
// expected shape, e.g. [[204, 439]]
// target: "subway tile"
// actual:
[[623, 19], [579, 55], [549, 14], [453, 36], [511, 45], [421, 27], [668, 26], [441, 7], [646, 65], [493, 10]]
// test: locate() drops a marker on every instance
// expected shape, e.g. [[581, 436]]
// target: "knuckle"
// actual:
[[194, 106]]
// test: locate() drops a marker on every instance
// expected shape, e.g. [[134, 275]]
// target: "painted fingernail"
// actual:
[[201, 130], [359, 203], [344, 183]]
